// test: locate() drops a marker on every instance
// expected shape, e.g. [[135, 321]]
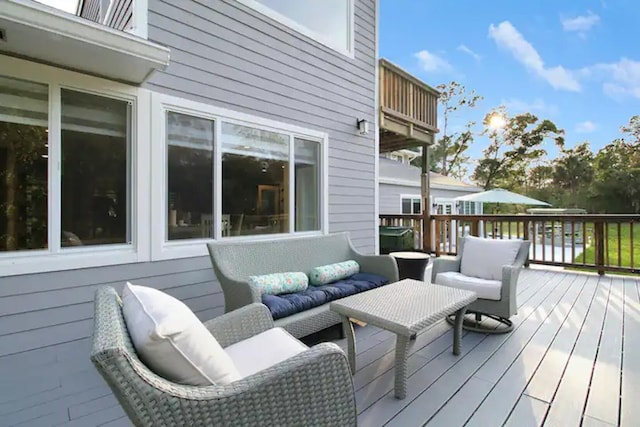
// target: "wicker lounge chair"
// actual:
[[314, 387]]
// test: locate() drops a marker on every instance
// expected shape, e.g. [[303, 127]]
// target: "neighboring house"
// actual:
[[399, 188], [122, 154]]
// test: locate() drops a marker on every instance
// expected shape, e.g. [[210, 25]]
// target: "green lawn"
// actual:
[[611, 247]]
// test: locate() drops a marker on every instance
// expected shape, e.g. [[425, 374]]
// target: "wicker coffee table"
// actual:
[[405, 308]]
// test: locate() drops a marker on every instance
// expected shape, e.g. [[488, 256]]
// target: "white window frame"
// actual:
[[55, 258], [267, 11], [412, 197], [161, 249]]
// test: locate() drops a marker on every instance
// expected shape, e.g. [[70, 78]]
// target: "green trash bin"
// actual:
[[393, 239]]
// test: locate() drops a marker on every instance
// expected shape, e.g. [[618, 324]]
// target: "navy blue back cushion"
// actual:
[[287, 304]]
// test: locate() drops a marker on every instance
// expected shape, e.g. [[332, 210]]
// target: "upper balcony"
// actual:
[[408, 109]]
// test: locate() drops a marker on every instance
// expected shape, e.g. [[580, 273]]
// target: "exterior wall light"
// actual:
[[363, 126]]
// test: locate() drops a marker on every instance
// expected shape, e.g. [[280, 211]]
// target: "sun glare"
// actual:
[[497, 121]]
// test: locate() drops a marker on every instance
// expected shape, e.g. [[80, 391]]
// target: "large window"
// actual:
[[327, 21], [71, 187], [23, 165], [227, 178]]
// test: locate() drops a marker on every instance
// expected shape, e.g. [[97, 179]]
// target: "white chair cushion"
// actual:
[[485, 289], [172, 341], [263, 351], [484, 258]]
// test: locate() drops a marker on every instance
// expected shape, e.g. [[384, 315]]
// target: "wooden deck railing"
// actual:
[[595, 242], [404, 95]]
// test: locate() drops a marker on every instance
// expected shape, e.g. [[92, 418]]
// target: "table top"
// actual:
[[410, 255], [404, 307]]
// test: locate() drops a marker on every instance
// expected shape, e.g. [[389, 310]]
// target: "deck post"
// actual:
[[426, 201], [598, 228], [525, 236]]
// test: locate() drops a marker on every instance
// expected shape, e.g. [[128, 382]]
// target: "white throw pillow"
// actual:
[[172, 341], [484, 258]]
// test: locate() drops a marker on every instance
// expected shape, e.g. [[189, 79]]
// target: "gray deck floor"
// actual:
[[572, 359]]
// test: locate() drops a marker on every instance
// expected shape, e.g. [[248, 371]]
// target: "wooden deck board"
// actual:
[[567, 406], [422, 402], [528, 412], [497, 405], [630, 409], [434, 400], [558, 366], [604, 395]]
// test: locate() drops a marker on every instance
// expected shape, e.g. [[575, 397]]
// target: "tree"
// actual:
[[632, 129], [573, 172], [515, 143], [616, 185], [447, 155]]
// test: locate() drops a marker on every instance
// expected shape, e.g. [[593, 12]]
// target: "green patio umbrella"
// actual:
[[501, 196]]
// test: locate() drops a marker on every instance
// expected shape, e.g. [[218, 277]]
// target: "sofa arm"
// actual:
[[240, 324], [314, 387], [382, 265], [444, 264]]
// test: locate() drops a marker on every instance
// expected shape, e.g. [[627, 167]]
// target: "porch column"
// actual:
[[426, 200]]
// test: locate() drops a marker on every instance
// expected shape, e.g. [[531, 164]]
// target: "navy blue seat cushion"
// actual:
[[287, 304]]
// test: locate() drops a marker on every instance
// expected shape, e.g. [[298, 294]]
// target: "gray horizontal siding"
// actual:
[[227, 55], [45, 329], [390, 197]]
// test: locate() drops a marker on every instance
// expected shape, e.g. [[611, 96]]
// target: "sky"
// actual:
[[576, 63]]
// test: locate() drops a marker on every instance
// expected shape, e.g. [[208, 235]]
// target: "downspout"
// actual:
[[426, 200]]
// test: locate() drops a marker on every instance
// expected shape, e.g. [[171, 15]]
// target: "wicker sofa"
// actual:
[[234, 261]]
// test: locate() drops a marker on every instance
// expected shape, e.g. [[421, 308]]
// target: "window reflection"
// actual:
[[307, 179], [190, 177], [255, 181], [95, 170], [327, 18], [23, 165]]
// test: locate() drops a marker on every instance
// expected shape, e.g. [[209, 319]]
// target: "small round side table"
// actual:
[[411, 265]]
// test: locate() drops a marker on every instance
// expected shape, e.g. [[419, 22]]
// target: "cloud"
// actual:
[[580, 24], [517, 106], [465, 49], [586, 127], [433, 63], [509, 38], [620, 79]]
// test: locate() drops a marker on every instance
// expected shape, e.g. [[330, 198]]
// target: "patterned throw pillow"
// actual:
[[332, 272], [280, 283]]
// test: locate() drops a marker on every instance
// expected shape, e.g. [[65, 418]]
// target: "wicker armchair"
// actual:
[[314, 387], [500, 309]]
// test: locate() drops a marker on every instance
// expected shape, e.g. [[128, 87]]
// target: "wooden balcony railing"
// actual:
[[408, 109], [592, 242]]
